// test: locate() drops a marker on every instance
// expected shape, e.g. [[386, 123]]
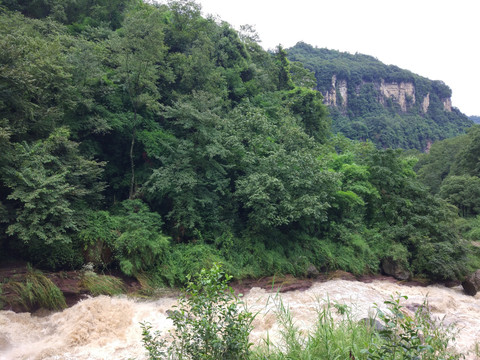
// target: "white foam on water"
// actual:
[[108, 328]]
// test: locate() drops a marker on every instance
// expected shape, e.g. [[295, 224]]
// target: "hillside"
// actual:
[[149, 140], [475, 119], [385, 104]]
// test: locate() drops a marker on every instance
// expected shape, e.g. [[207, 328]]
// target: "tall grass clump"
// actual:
[[335, 335], [102, 284], [37, 291], [391, 335]]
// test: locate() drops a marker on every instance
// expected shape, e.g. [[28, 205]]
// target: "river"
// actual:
[[108, 328]]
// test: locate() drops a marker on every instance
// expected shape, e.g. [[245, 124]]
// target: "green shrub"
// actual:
[[98, 237], [442, 260], [209, 324], [185, 259], [141, 245], [37, 291], [352, 253], [53, 256]]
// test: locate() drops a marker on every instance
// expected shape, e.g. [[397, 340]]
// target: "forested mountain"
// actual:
[[475, 119], [150, 139], [392, 107]]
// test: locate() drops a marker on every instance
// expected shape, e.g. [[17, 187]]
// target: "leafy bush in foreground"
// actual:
[[208, 323]]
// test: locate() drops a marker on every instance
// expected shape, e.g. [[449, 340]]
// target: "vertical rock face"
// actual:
[[343, 89], [447, 104], [426, 103], [401, 93], [330, 96], [390, 106], [339, 88]]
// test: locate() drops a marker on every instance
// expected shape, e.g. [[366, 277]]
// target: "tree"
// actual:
[[468, 159], [281, 178], [307, 104], [301, 76], [52, 186], [35, 85], [283, 69], [439, 163], [192, 168], [464, 192], [139, 52]]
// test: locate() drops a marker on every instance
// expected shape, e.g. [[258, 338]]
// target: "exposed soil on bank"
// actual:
[[69, 282]]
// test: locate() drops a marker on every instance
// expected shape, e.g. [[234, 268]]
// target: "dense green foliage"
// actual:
[[451, 170], [366, 113], [209, 324], [153, 140]]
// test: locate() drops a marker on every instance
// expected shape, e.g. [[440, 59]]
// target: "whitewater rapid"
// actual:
[[108, 328]]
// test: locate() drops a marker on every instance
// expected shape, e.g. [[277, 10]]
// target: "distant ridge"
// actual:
[[369, 100]]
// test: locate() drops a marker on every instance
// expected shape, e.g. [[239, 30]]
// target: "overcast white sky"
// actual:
[[437, 39]]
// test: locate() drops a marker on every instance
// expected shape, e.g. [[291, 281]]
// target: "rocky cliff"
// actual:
[[401, 93], [370, 100]]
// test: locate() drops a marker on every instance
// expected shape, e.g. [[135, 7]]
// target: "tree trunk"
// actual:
[[132, 163]]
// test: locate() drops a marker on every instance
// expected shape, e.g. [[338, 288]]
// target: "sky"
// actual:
[[436, 39]]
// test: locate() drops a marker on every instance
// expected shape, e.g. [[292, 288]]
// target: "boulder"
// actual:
[[395, 268], [312, 272], [98, 253], [471, 284]]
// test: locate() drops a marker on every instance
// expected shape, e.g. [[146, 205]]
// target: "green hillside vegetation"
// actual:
[[475, 119], [365, 115], [451, 171], [153, 140]]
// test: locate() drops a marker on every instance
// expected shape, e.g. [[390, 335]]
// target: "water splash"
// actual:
[[108, 328]]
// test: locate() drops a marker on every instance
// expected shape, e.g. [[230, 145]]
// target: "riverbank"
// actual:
[[70, 283], [108, 327]]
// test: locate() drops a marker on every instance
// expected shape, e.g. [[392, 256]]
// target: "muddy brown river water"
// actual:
[[108, 328]]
